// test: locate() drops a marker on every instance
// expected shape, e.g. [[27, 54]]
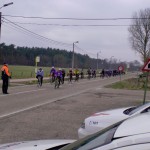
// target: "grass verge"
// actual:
[[129, 84]]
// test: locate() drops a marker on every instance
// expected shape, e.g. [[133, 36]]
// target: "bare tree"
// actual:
[[140, 33]]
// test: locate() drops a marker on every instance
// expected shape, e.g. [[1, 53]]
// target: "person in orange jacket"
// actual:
[[5, 77]]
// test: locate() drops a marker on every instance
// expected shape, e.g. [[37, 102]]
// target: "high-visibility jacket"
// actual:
[[76, 72], [5, 71]]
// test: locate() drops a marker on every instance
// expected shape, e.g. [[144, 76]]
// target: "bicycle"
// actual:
[[52, 79], [69, 78], [89, 76], [56, 83], [76, 77], [39, 81], [82, 76]]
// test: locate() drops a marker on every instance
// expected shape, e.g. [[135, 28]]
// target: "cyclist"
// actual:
[[89, 71], [93, 73], [102, 73], [63, 76], [58, 75], [70, 74], [82, 74], [52, 74], [39, 76], [76, 73]]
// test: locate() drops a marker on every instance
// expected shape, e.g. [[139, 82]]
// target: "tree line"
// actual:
[[48, 57], [15, 55]]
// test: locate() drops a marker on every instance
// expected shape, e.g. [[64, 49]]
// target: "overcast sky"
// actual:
[[109, 41]]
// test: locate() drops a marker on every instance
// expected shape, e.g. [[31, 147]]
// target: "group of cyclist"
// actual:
[[57, 74], [91, 73], [60, 74]]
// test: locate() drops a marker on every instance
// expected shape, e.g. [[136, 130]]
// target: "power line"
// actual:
[[30, 33], [35, 34], [88, 19], [75, 25], [86, 52], [23, 31]]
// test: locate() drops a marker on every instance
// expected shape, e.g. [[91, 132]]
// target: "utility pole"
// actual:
[[73, 55], [0, 34], [110, 62], [5, 5], [0, 24], [73, 58], [97, 59]]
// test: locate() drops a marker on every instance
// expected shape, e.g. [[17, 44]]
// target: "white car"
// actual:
[[101, 120], [130, 134], [36, 145]]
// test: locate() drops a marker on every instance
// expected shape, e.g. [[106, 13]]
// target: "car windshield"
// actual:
[[141, 107], [95, 140]]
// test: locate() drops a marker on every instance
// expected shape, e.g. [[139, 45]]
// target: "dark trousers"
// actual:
[[59, 80], [63, 79], [40, 79], [70, 78], [5, 85]]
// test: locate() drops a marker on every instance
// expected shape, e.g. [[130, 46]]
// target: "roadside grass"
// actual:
[[129, 84], [23, 72]]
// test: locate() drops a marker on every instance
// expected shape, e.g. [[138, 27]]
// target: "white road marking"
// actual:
[[22, 92], [50, 101], [45, 103]]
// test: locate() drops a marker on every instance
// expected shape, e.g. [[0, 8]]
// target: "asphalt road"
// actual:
[[30, 113]]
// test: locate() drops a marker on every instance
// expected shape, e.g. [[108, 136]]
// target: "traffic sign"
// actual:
[[146, 66], [37, 59], [120, 68]]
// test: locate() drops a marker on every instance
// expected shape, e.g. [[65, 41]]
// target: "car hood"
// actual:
[[109, 113], [36, 145], [106, 118]]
